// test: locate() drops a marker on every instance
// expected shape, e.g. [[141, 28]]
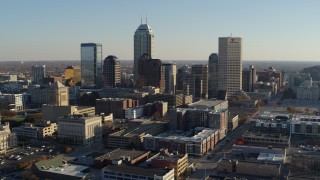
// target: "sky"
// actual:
[[184, 29]]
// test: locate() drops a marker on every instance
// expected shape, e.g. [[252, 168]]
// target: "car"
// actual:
[[31, 152], [2, 162], [28, 147], [11, 156], [36, 150], [43, 146], [19, 159]]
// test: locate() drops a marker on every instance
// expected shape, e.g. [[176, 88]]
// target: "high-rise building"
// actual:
[[111, 72], [55, 94], [143, 44], [200, 72], [213, 76], [37, 74], [230, 65], [91, 64], [186, 81], [151, 72], [72, 75], [249, 78], [170, 73]]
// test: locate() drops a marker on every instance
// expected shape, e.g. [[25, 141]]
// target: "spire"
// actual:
[[141, 20], [146, 20]]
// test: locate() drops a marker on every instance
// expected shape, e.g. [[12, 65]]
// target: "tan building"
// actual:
[[55, 94], [133, 135], [7, 138], [116, 106], [49, 112], [177, 162], [73, 73], [35, 131], [230, 65], [80, 129]]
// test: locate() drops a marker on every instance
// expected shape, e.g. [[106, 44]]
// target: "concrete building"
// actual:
[[36, 130], [267, 139], [308, 90], [116, 106], [55, 94], [249, 78], [200, 72], [37, 74], [12, 102], [170, 73], [143, 44], [132, 137], [213, 76], [174, 100], [186, 81], [111, 72], [59, 168], [91, 65], [123, 156], [151, 72], [79, 129], [134, 112], [233, 122], [7, 138], [198, 143], [230, 65], [271, 75], [72, 75], [247, 168], [177, 162], [49, 112], [114, 172], [216, 105]]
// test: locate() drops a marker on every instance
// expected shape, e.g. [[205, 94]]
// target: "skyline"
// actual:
[[54, 30]]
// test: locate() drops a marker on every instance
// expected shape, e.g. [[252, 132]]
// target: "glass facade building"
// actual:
[[91, 65]]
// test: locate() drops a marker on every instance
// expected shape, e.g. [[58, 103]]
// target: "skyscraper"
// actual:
[[170, 73], [143, 44], [37, 74], [111, 72], [151, 72], [72, 75], [230, 65], [213, 76], [249, 78], [91, 64], [200, 72]]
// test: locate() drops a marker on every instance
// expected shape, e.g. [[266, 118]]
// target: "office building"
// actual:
[[271, 75], [49, 112], [170, 73], [116, 106], [143, 44], [200, 72], [37, 74], [12, 102], [80, 129], [114, 172], [72, 75], [151, 72], [249, 79], [91, 65], [111, 72], [7, 138], [55, 94], [230, 65], [36, 130], [213, 76]]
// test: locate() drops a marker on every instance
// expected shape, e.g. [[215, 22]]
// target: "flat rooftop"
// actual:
[[120, 153], [136, 170], [206, 103], [59, 165]]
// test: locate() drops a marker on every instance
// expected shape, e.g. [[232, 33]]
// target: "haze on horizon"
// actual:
[[184, 30]]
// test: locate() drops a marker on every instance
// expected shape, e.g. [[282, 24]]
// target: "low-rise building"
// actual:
[[203, 140], [122, 156], [116, 106], [36, 130], [80, 129], [267, 139], [216, 105], [233, 122], [59, 168], [133, 135], [114, 172], [12, 102], [173, 161], [7, 138], [134, 112]]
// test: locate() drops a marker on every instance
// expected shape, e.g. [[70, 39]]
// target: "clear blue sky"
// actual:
[[184, 29]]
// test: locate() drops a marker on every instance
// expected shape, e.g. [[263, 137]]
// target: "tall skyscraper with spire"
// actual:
[[230, 65], [143, 44]]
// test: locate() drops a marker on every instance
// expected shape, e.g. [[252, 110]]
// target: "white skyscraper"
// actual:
[[143, 43], [230, 65]]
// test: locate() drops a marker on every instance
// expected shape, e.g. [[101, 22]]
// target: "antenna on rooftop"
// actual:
[[141, 19]]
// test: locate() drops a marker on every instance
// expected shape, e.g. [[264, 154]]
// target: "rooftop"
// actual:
[[206, 103], [60, 166], [136, 170], [120, 153]]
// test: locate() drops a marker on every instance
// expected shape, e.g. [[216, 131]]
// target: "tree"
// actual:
[[68, 149]]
